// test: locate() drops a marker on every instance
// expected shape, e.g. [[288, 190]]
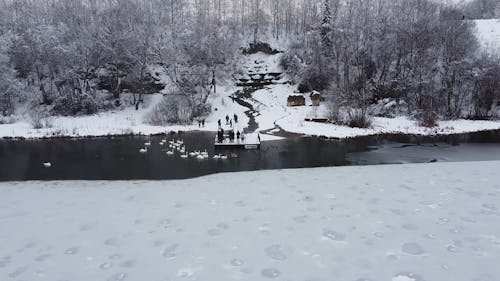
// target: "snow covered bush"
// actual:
[[260, 47], [40, 118], [7, 119], [389, 108], [427, 119], [358, 118], [75, 105], [173, 109], [314, 81]]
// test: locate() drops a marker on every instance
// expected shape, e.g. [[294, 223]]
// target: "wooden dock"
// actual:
[[250, 142]]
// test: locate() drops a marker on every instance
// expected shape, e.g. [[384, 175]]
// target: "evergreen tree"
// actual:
[[326, 28]]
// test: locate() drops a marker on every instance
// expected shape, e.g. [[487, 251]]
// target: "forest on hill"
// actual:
[[79, 57]]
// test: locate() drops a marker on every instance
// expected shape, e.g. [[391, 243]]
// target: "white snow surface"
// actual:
[[399, 223], [488, 33]]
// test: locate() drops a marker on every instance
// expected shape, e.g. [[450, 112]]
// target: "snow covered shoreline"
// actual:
[[106, 124], [404, 222]]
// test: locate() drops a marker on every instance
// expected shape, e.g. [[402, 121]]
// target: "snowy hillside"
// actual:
[[489, 34], [432, 222], [122, 121]]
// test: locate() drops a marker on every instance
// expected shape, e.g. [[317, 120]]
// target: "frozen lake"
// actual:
[[119, 158]]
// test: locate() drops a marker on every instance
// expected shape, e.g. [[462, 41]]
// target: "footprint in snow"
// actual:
[[170, 252], [237, 262], [106, 265], [128, 264], [270, 273], [240, 203], [115, 257], [113, 241], [214, 232], [410, 227], [18, 272], [5, 261], [407, 276], [30, 245], [42, 258], [278, 252], [118, 277], [300, 219], [71, 251], [86, 227], [223, 226], [412, 249], [333, 235]]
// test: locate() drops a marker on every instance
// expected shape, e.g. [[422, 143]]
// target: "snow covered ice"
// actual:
[[396, 223]]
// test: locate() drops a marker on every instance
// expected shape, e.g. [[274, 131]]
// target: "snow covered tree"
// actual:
[[326, 28], [10, 87]]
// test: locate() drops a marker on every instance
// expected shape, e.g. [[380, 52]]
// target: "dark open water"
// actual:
[[119, 158]]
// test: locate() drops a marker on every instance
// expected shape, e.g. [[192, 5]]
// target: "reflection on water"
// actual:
[[119, 158]]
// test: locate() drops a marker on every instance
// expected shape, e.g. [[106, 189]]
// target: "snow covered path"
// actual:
[[394, 223]]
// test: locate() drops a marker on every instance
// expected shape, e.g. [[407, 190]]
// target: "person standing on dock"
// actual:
[[231, 123], [258, 136], [235, 118], [203, 123], [220, 135], [219, 123], [227, 119], [238, 135]]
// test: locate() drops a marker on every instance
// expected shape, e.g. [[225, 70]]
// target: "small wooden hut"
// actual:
[[297, 100], [315, 98]]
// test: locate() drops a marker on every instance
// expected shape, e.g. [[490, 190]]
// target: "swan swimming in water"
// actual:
[[47, 164]]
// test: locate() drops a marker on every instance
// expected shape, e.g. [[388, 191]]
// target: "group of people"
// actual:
[[229, 121], [201, 123], [231, 134]]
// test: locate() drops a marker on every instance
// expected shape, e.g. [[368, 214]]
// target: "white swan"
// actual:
[[223, 157], [143, 150], [184, 156], [47, 164], [192, 154], [217, 156], [170, 152], [147, 143], [200, 157]]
